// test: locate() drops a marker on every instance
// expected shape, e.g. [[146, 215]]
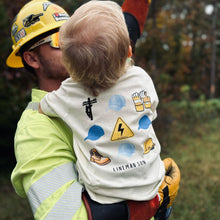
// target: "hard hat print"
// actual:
[[95, 132], [144, 122], [116, 102], [126, 149]]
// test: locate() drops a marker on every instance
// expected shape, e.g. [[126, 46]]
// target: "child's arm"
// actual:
[[49, 105]]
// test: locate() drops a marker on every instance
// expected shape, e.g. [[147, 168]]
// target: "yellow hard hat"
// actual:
[[34, 19]]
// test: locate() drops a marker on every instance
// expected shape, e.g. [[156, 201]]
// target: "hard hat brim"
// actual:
[[13, 60]]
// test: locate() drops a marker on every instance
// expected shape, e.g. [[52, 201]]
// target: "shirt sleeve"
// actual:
[[50, 104], [45, 170]]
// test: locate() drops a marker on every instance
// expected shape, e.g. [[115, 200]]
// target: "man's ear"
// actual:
[[129, 51], [31, 59]]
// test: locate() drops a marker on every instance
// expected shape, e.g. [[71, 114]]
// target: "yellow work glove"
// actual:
[[168, 189]]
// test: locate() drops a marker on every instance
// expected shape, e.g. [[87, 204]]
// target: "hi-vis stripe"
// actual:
[[70, 201], [33, 105]]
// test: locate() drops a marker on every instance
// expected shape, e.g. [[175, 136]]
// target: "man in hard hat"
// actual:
[[45, 171]]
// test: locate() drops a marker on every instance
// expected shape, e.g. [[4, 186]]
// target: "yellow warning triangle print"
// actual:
[[121, 131]]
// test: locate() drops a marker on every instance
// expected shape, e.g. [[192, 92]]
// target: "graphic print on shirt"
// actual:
[[126, 149], [97, 158], [121, 131], [116, 103], [141, 101], [88, 105], [144, 122], [95, 132], [148, 145]]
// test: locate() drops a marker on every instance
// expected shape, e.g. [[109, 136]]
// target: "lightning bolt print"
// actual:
[[121, 131], [120, 128]]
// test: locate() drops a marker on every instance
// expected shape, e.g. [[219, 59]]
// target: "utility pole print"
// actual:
[[88, 105]]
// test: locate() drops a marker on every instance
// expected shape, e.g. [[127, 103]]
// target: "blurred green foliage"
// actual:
[[184, 115], [177, 48]]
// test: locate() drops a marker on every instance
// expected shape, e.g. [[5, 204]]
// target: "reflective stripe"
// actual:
[[51, 182], [68, 204], [33, 105]]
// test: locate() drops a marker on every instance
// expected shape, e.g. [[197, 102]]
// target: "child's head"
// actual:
[[95, 45]]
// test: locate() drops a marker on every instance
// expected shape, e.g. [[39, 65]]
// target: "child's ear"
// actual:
[[129, 51]]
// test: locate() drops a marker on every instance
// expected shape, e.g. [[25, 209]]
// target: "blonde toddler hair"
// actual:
[[95, 44]]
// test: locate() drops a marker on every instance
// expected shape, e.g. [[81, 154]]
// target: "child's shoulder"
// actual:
[[138, 71]]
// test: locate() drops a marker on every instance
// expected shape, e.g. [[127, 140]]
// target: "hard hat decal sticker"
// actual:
[[126, 149], [20, 35], [45, 5], [116, 102], [144, 122], [95, 132], [32, 19], [121, 131], [14, 29], [148, 145], [60, 16], [141, 100]]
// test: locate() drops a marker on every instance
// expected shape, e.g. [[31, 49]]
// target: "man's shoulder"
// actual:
[[31, 120], [31, 116]]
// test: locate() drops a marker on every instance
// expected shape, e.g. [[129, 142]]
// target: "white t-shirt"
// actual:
[[113, 137]]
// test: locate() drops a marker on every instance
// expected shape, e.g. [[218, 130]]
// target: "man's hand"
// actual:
[[169, 187]]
